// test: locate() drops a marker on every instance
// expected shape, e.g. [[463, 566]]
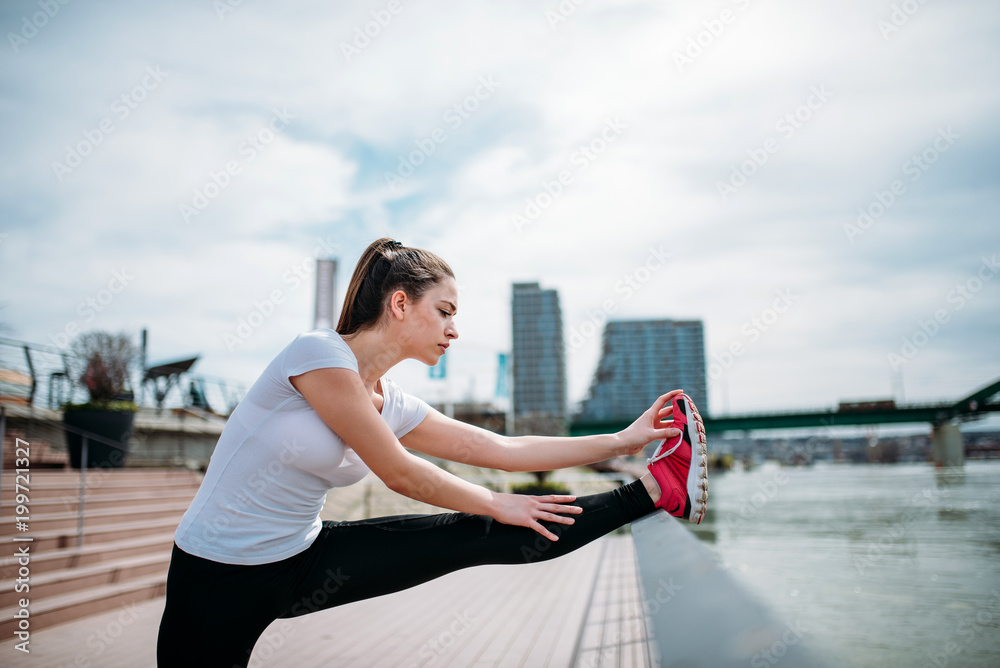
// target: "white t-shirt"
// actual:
[[276, 459]]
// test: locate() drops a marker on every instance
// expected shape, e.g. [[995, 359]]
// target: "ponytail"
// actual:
[[384, 267]]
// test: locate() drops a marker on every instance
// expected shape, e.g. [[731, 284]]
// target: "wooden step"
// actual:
[[59, 539], [49, 585], [54, 560], [126, 473], [97, 478], [99, 518], [71, 490], [47, 507], [42, 454], [67, 607], [130, 519], [49, 460]]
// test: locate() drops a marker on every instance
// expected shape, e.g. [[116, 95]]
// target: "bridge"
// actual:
[[942, 416]]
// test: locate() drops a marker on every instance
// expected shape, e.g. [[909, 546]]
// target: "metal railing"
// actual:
[[42, 376], [86, 438]]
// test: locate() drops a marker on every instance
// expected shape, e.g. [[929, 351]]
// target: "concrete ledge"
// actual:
[[700, 615]]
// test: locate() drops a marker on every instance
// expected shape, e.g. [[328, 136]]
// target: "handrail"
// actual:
[[87, 436], [701, 616], [92, 436]]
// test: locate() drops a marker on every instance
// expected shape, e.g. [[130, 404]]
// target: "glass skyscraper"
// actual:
[[539, 361], [642, 359]]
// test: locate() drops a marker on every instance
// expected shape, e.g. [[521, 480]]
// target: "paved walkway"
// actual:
[[581, 610]]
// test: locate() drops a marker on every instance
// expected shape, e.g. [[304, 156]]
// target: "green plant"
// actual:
[[102, 364], [540, 488]]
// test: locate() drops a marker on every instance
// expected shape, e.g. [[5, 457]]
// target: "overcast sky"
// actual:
[[706, 160]]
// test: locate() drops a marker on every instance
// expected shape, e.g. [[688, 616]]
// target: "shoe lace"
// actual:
[[666, 453]]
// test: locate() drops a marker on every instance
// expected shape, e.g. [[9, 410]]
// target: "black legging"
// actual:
[[215, 612]]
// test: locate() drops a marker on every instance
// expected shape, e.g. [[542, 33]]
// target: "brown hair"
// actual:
[[384, 267]]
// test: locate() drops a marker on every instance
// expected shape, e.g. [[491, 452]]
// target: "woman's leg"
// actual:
[[350, 561], [215, 612]]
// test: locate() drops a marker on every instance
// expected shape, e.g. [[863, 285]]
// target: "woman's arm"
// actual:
[[441, 436], [340, 399]]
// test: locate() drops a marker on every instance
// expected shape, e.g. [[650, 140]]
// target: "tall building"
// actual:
[[539, 358], [642, 359], [324, 313]]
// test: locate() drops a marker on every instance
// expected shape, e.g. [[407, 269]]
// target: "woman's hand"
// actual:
[[527, 511], [652, 425]]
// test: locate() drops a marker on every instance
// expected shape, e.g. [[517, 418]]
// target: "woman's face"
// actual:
[[431, 322]]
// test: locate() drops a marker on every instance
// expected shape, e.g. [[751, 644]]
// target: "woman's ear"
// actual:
[[398, 302]]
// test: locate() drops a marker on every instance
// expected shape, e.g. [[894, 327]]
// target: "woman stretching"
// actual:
[[252, 548]]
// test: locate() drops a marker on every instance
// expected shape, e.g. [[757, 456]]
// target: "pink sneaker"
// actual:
[[680, 465]]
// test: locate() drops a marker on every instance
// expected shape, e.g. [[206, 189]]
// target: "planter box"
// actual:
[[114, 426]]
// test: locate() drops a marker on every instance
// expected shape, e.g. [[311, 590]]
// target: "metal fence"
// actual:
[[41, 376]]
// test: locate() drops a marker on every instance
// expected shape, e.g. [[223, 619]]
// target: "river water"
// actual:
[[878, 565]]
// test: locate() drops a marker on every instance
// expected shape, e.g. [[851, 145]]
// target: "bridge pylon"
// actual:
[[946, 444]]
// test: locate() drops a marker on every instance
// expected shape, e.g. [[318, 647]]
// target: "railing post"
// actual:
[[3, 438], [83, 487], [31, 370]]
